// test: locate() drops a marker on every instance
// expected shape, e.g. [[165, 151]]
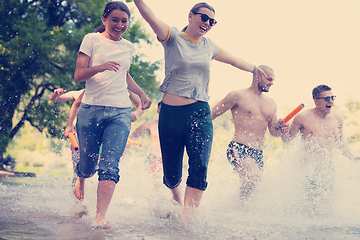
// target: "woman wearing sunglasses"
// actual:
[[184, 119]]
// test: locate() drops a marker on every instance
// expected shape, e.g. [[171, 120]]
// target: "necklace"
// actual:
[[112, 37]]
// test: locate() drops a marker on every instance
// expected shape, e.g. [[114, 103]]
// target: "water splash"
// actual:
[[142, 208]]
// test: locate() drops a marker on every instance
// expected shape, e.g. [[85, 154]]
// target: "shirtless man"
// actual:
[[320, 128], [151, 127], [253, 113]]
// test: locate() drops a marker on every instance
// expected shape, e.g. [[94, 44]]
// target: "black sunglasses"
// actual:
[[328, 98], [205, 18]]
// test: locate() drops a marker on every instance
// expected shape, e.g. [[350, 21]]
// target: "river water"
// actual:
[[284, 205]]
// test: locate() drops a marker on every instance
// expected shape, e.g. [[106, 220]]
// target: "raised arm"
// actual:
[[158, 26], [135, 99], [225, 104]]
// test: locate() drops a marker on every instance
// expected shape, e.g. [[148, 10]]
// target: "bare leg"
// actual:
[[247, 187], [79, 188], [191, 201], [75, 157], [177, 195], [104, 194], [249, 175]]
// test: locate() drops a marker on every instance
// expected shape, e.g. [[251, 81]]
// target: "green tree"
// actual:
[[39, 41]]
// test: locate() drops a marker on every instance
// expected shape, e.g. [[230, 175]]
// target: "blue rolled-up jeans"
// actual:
[[106, 126]]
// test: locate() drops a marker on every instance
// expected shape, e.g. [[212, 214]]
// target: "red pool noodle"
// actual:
[[294, 112]]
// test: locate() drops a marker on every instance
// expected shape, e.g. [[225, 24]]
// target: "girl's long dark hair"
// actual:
[[108, 8]]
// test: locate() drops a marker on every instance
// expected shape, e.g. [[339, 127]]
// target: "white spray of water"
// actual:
[[282, 206]]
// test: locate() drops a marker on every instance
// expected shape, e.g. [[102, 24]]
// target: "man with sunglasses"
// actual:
[[320, 128]]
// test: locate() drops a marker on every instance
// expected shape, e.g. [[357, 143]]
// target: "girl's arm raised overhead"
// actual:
[[158, 26]]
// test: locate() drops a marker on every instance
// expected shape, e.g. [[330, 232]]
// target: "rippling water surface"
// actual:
[[318, 201]]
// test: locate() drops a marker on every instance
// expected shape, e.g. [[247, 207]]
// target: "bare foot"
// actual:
[[101, 223], [188, 217], [79, 188]]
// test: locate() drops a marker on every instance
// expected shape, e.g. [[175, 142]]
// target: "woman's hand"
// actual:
[[145, 102], [110, 65]]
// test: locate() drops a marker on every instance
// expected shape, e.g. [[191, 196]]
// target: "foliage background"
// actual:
[[39, 40], [38, 49], [43, 155]]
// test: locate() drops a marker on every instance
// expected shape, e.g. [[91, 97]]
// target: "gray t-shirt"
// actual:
[[187, 65]]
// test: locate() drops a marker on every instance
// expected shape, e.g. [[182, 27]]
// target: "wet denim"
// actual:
[[189, 127], [106, 126]]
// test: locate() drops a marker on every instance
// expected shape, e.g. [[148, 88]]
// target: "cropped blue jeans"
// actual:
[[106, 126]]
